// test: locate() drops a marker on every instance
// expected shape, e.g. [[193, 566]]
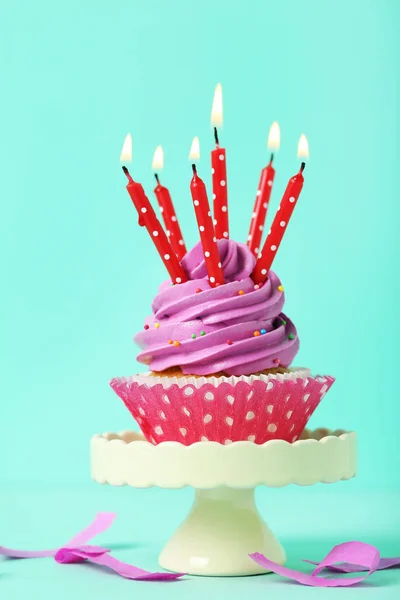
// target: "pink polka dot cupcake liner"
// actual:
[[224, 409]]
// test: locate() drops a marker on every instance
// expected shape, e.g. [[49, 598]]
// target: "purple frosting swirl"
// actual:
[[215, 326]]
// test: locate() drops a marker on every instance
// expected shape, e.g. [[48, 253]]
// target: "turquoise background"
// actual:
[[78, 275]]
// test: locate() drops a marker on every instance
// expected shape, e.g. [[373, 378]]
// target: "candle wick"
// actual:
[[216, 136], [271, 160], [302, 167], [125, 170], [194, 169], [157, 179]]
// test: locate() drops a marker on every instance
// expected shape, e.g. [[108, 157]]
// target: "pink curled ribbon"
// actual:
[[77, 551], [350, 557]]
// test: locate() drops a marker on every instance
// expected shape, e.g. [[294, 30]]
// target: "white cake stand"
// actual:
[[224, 525]]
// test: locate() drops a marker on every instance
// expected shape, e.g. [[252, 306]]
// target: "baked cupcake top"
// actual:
[[236, 328]]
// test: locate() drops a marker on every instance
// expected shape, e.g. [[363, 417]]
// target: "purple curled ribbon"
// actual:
[[78, 551], [350, 557]]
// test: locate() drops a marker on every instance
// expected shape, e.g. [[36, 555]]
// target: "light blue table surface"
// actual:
[[309, 521]]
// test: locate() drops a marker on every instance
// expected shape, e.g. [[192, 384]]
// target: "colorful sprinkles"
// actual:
[[256, 333]]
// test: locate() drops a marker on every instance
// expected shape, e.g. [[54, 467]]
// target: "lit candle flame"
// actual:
[[126, 152], [274, 136], [217, 111], [158, 158], [194, 153], [302, 148]]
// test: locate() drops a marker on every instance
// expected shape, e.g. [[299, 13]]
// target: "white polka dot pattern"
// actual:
[[256, 412]]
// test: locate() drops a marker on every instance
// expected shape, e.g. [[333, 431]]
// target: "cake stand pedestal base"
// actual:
[[223, 526]]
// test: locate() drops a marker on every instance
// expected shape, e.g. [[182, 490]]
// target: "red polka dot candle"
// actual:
[[263, 194], [167, 208], [205, 223], [281, 220], [218, 170], [148, 219]]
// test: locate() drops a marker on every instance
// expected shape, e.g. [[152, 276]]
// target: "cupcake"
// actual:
[[219, 359]]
